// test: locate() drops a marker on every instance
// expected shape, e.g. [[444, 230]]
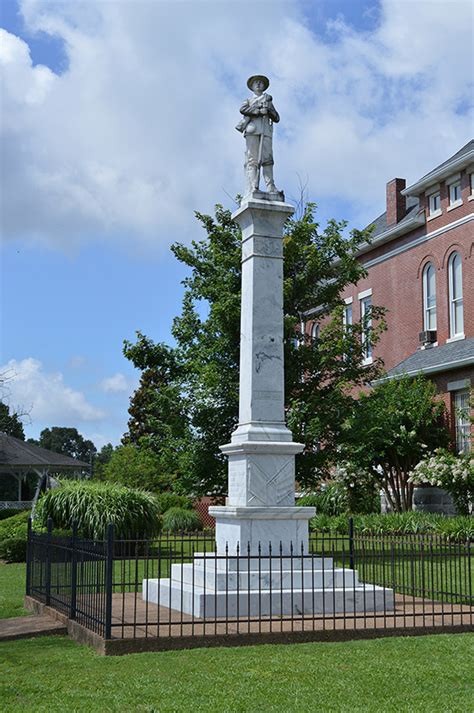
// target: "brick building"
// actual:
[[421, 268]]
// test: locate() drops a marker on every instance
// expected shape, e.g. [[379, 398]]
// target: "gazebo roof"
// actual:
[[18, 455]]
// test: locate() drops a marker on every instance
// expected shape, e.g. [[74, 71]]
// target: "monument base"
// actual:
[[231, 587], [254, 530]]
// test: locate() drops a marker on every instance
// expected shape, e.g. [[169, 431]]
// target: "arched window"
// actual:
[[456, 316], [315, 332], [429, 297]]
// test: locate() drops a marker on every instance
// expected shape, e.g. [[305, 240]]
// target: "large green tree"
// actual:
[[67, 441], [137, 468], [392, 428], [198, 377]]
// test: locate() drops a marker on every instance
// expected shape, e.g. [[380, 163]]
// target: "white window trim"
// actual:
[[462, 423], [436, 214], [425, 297], [456, 338], [453, 336], [363, 296], [449, 183], [348, 300]]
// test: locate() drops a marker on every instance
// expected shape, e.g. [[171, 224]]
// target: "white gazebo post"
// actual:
[[261, 497]]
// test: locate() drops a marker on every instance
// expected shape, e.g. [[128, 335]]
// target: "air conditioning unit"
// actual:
[[428, 336]]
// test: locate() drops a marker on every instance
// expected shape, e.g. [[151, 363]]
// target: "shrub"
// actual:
[[13, 537], [93, 505], [181, 520], [456, 529], [454, 473], [173, 500], [13, 549], [10, 512], [343, 495], [362, 493], [331, 499]]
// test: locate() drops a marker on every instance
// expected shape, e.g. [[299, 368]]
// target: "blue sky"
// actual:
[[119, 123]]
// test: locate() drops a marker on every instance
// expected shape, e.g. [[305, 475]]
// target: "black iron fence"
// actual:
[[178, 586]]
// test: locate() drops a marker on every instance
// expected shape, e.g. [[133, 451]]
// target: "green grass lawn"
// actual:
[[424, 674], [12, 590]]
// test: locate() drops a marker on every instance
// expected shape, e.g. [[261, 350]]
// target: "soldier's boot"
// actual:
[[268, 178]]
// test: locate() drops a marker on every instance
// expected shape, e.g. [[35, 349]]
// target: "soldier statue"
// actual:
[[257, 127]]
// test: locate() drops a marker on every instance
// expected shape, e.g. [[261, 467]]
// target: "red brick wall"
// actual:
[[396, 284]]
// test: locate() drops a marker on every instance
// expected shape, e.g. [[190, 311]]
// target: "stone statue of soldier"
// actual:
[[257, 127]]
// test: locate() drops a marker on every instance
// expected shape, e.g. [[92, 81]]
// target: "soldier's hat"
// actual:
[[262, 77]]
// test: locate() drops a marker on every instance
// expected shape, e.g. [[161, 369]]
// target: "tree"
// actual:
[[100, 461], [137, 468], [203, 383], [392, 428], [10, 422], [67, 441]]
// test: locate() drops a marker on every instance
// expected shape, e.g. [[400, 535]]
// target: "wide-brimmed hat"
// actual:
[[262, 77]]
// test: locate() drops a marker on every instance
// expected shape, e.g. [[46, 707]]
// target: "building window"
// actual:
[[365, 314], [435, 203], [455, 193], [462, 420], [456, 316], [471, 182], [347, 316], [429, 298]]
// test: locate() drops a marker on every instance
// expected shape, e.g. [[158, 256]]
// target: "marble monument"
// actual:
[[261, 563]]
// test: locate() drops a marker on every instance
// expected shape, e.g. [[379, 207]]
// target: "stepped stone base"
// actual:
[[232, 587]]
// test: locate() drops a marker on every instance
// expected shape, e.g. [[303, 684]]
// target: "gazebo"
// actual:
[[19, 459]]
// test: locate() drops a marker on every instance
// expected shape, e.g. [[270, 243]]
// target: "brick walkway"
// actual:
[[25, 627]]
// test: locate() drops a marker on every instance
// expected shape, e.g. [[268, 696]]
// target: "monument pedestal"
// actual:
[[261, 566]]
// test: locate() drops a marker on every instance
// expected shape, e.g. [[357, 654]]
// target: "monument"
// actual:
[[261, 564]]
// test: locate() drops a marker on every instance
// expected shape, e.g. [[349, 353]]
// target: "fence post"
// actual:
[[109, 571], [351, 543], [48, 562], [72, 609], [28, 558]]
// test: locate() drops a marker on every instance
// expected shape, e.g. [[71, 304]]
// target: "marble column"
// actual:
[[261, 496]]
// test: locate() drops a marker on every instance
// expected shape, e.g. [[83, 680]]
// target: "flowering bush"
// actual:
[[454, 473], [360, 485]]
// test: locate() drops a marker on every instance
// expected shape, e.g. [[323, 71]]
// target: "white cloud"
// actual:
[[46, 394], [139, 131], [115, 384]]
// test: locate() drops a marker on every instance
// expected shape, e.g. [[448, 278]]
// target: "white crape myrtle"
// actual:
[[442, 468]]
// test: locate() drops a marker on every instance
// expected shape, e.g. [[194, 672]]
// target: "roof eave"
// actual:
[[394, 232], [436, 369], [457, 164]]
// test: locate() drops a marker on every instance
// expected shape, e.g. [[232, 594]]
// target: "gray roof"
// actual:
[[436, 359], [412, 201], [15, 453], [381, 222], [467, 148]]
